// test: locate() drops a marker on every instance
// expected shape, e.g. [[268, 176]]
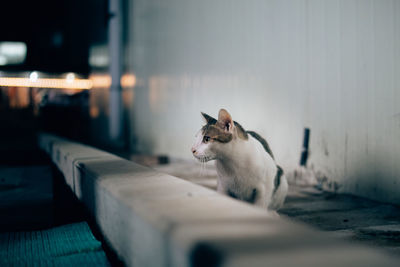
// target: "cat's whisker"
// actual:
[[200, 168], [203, 167]]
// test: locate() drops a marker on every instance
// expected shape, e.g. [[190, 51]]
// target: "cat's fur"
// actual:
[[245, 164]]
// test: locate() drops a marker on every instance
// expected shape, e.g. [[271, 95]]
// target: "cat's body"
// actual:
[[245, 164]]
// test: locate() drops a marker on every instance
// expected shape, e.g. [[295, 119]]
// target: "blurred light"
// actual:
[[3, 60], [79, 84], [98, 56], [12, 52], [69, 82], [58, 39], [70, 78], [128, 81], [104, 80], [100, 81], [33, 76], [94, 112]]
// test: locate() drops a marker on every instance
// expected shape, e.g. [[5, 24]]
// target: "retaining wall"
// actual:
[[154, 219]]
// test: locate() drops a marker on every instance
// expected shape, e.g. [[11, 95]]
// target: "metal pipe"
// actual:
[[306, 141], [115, 51]]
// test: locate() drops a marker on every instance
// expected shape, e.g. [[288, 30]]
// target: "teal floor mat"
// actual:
[[67, 245]]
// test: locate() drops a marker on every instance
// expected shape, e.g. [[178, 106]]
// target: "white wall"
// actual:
[[277, 66]]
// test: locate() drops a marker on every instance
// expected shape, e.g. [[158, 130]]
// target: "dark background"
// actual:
[[58, 33]]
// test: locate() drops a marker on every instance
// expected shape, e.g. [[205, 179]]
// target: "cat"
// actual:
[[245, 164]]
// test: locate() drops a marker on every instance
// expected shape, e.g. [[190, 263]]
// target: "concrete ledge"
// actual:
[[154, 219]]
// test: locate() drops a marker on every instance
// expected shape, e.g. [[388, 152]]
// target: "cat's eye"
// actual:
[[206, 139]]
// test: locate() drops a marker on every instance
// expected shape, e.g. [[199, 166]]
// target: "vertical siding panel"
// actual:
[[329, 65], [396, 97]]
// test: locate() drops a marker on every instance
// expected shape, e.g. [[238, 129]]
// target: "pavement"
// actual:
[[356, 219]]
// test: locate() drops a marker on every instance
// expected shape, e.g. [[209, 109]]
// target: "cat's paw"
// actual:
[[273, 214]]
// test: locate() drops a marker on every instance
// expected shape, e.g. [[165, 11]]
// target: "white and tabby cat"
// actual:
[[245, 164]]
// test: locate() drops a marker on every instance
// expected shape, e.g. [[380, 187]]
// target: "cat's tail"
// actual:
[[280, 190]]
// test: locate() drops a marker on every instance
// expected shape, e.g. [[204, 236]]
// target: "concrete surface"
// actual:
[[155, 219], [354, 218]]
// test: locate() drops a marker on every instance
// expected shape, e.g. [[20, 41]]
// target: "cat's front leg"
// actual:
[[262, 198]]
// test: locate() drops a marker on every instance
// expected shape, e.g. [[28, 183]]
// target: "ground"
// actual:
[[27, 204], [354, 218]]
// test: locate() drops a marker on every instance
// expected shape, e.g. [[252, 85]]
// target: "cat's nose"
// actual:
[[193, 150]]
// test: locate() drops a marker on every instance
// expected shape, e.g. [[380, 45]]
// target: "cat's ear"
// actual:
[[225, 120], [208, 119]]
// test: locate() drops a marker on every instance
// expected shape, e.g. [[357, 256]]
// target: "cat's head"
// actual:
[[214, 136]]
